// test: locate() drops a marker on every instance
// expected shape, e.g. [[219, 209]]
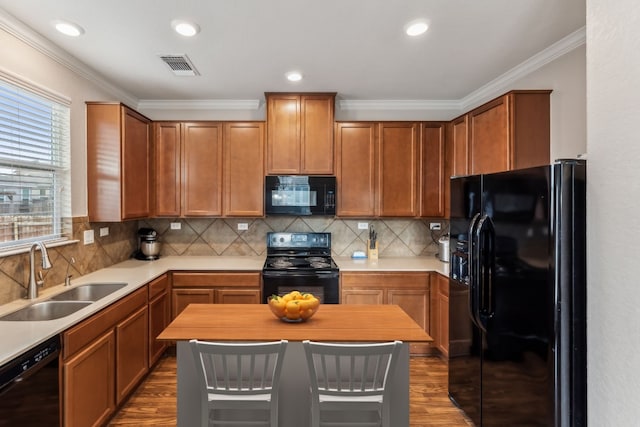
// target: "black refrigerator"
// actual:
[[517, 314]]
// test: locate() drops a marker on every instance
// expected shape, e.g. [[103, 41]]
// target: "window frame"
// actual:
[[54, 159]]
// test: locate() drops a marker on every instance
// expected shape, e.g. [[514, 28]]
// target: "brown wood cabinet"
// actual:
[[398, 168], [459, 146], [214, 288], [510, 132], [103, 358], [132, 352], [300, 133], [181, 298], [409, 290], [202, 169], [440, 312], [356, 169], [194, 162], [377, 169], [159, 315], [188, 168], [432, 170], [243, 155], [167, 170], [88, 381], [118, 163]]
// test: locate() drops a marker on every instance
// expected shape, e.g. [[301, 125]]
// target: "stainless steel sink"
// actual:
[[46, 310], [88, 292]]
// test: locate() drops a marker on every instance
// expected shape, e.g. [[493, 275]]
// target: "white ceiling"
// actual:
[[354, 47]]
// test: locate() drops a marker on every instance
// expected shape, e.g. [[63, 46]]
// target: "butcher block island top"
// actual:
[[332, 322]]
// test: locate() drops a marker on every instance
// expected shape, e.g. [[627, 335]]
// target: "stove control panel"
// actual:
[[299, 240]]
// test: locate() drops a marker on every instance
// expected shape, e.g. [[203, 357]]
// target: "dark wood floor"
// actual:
[[154, 402]]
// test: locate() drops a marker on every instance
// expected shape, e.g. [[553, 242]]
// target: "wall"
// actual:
[[20, 59], [613, 203], [28, 63]]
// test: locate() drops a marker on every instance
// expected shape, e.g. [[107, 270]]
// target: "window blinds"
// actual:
[[35, 193]]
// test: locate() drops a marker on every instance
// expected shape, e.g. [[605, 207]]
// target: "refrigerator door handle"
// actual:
[[474, 269], [485, 236]]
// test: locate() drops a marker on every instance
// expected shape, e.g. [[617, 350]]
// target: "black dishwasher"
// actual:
[[29, 387]]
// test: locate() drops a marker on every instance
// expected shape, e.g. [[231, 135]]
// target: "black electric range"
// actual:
[[300, 261]]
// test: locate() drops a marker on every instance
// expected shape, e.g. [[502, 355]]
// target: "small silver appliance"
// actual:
[[148, 245]]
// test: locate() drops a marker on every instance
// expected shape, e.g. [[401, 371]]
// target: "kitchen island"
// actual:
[[332, 323]]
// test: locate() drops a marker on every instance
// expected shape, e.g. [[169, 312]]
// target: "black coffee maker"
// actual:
[[148, 245]]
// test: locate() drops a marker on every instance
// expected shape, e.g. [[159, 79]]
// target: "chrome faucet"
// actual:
[[32, 287], [67, 276]]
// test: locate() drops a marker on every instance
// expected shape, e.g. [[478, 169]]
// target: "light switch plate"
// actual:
[[176, 226], [243, 226], [88, 237], [104, 231], [363, 226], [434, 226]]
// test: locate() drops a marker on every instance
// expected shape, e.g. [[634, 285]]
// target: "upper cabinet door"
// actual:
[[398, 169], [317, 113], [459, 146], [300, 133], [356, 168], [283, 134], [202, 169], [244, 169], [489, 134], [136, 155], [167, 170], [118, 163], [432, 170]]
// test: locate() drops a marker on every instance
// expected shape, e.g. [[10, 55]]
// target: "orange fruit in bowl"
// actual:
[[277, 305], [294, 306], [292, 310]]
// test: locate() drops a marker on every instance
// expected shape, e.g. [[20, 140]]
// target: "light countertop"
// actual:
[[19, 336], [393, 264]]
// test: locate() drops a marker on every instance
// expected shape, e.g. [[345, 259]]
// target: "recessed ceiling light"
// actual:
[[294, 76], [68, 28], [415, 28], [185, 28]]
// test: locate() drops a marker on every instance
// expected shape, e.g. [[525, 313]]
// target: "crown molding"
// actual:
[[34, 87], [199, 104], [537, 61], [24, 33], [399, 104]]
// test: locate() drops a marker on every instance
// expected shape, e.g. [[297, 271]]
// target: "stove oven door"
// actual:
[[325, 285]]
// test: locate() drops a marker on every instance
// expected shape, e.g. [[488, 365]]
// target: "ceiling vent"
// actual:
[[180, 65]]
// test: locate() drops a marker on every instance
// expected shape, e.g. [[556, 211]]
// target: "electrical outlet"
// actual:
[[243, 226], [176, 226], [104, 231], [88, 237], [434, 226], [363, 226]]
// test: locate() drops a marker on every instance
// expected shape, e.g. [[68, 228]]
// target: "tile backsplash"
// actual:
[[108, 250], [212, 237], [220, 236]]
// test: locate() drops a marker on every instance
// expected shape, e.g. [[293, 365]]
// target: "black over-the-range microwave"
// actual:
[[300, 195]]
